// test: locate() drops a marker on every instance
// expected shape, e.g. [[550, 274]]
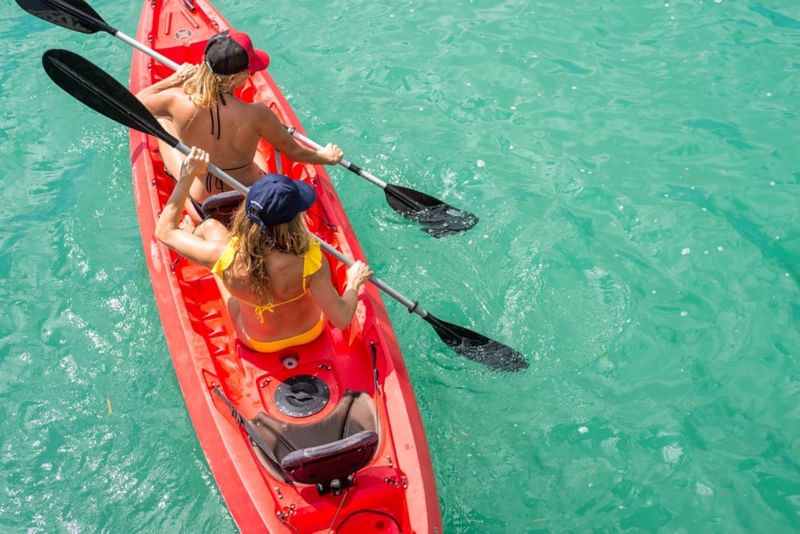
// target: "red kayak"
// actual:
[[341, 446]]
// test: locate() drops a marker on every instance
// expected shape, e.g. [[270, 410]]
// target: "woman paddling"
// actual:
[[271, 272], [196, 104]]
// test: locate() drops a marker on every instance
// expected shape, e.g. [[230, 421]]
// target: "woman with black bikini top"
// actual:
[[196, 105]]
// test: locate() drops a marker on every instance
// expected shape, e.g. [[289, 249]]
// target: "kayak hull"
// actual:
[[395, 491]]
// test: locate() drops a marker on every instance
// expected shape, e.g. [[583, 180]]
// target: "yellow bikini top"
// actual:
[[312, 262]]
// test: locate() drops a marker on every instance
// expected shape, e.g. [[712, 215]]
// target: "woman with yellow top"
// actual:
[[275, 281]]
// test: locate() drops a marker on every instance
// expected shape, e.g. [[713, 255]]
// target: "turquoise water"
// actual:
[[636, 167]]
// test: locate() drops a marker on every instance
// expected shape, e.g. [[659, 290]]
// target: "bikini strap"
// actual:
[[220, 98], [260, 310], [226, 258], [312, 262], [218, 130]]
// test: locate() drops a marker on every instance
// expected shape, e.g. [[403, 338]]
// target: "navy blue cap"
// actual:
[[276, 199]]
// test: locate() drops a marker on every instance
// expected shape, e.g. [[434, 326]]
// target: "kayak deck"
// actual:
[[395, 491]]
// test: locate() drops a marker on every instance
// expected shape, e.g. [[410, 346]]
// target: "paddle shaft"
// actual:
[[147, 50], [352, 167], [411, 305], [292, 130], [99, 91]]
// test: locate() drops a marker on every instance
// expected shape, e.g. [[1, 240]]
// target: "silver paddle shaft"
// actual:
[[292, 130], [344, 163], [411, 305], [149, 51]]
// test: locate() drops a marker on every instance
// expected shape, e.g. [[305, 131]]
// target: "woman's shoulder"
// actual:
[[246, 113], [181, 103], [251, 107]]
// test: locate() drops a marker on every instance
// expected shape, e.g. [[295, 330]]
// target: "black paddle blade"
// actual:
[[436, 217], [72, 14], [477, 347], [97, 89]]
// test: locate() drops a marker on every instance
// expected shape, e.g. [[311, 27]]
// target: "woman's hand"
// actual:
[[331, 153], [357, 275], [195, 164], [183, 73]]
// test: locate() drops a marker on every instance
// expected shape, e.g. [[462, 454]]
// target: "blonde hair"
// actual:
[[255, 242], [204, 87]]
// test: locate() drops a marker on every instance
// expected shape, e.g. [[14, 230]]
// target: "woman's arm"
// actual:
[[191, 246], [271, 129], [157, 99], [339, 309]]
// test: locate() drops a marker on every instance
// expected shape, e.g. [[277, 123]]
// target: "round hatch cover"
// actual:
[[302, 395]]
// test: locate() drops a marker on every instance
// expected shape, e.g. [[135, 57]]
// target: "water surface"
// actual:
[[635, 165]]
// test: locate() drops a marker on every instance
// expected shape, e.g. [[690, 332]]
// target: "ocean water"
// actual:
[[636, 169]]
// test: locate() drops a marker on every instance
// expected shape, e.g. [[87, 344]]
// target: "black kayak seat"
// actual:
[[335, 461], [222, 206], [308, 453]]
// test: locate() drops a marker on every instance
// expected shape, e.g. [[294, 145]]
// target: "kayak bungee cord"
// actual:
[[251, 432], [339, 508]]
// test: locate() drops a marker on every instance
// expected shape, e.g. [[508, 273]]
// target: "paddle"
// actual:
[[436, 217], [98, 90]]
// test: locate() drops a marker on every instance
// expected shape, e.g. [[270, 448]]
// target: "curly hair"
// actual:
[[255, 242]]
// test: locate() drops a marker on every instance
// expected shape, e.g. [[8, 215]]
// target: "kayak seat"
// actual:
[[327, 452], [222, 206], [331, 466]]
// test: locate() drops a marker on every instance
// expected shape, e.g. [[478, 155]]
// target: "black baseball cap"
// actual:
[[232, 52]]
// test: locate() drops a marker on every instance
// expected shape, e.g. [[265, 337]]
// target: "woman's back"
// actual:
[[196, 104], [228, 130], [287, 307]]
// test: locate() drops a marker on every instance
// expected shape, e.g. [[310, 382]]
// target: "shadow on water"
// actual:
[[724, 131], [747, 229], [777, 19]]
